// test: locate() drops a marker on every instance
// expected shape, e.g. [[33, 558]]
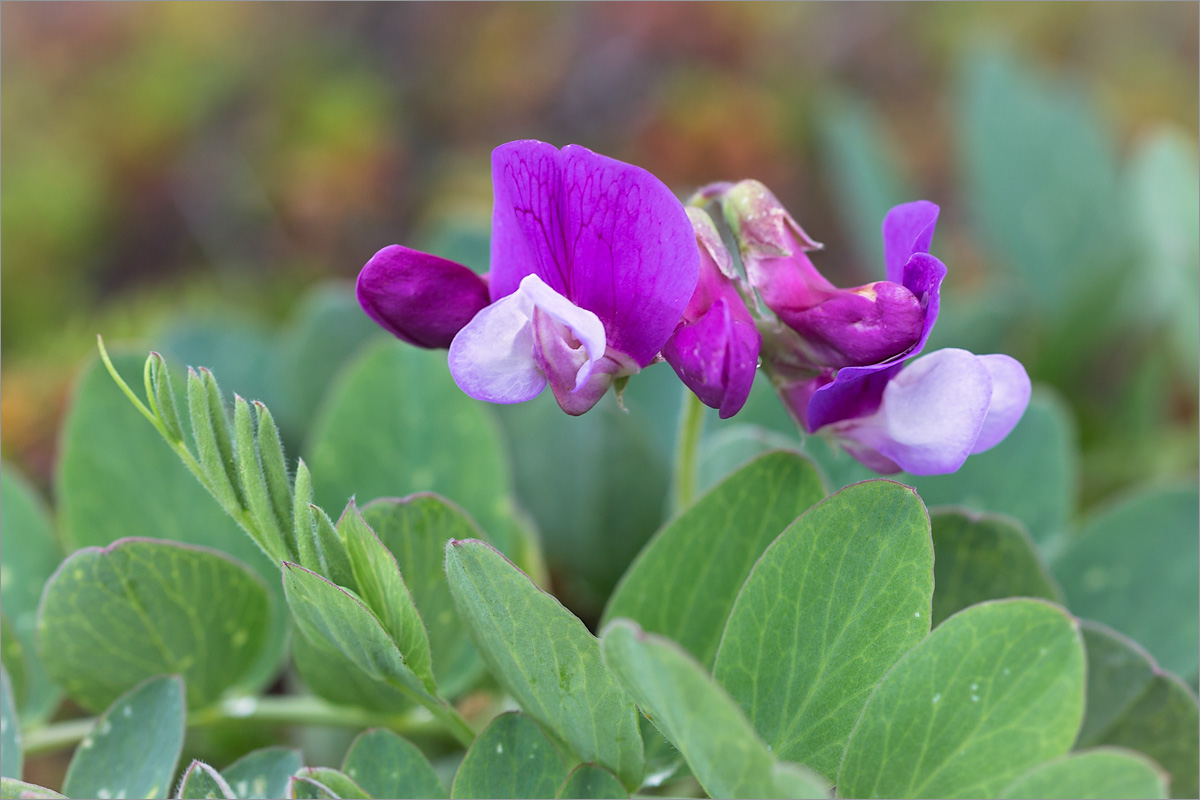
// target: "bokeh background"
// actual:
[[183, 174]]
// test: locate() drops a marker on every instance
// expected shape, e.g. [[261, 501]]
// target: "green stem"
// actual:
[[272, 710], [687, 450]]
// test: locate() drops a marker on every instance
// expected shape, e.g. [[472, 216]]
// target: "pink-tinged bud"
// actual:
[[837, 327], [420, 298], [714, 350]]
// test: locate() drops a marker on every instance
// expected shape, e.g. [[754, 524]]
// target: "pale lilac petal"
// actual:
[[608, 236], [931, 413], [1010, 396], [635, 260], [420, 298], [907, 229], [577, 323], [491, 358]]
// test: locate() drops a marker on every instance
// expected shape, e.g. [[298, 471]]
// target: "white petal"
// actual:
[[584, 325], [1010, 396], [491, 358]]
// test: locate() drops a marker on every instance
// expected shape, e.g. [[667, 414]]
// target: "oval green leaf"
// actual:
[[415, 529], [10, 730], [262, 773], [117, 478], [991, 692], [832, 604], [12, 789], [984, 557], [1136, 568], [31, 555], [134, 746], [396, 423], [386, 764], [545, 657], [322, 782], [589, 780], [202, 782], [696, 715], [683, 584], [112, 617], [512, 758], [1103, 774]]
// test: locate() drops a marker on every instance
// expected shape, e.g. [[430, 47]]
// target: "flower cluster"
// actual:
[[597, 271]]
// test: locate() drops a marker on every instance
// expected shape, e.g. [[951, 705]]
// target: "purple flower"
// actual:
[[715, 348], [593, 262], [928, 416], [877, 323]]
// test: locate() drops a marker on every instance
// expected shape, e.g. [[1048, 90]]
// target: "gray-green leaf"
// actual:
[[262, 773], [202, 782], [993, 691], [324, 782], [984, 557], [685, 580], [112, 617], [415, 530], [13, 789], [695, 714], [133, 749], [10, 730], [589, 780], [545, 657], [1103, 774], [380, 585], [1136, 567], [385, 764], [832, 604], [512, 758]]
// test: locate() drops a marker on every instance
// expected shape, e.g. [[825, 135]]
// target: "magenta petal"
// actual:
[[864, 325], [907, 229], [1010, 396], [608, 236], [421, 298], [854, 392], [716, 357], [923, 276]]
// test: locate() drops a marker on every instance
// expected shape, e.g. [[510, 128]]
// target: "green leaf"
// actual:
[[262, 773], [726, 450], [1136, 567], [511, 758], [253, 482], [380, 586], [201, 782], [332, 617], [1164, 205], [133, 749], [13, 657], [545, 658], [331, 550], [1118, 672], [395, 423], [1032, 475], [415, 530], [11, 789], [116, 476], [275, 473], [161, 395], [31, 555], [993, 691], [1096, 774], [1042, 176], [332, 676], [830, 606], [694, 713], [112, 617], [1130, 703], [596, 484], [385, 764], [327, 783], [684, 582], [984, 557], [589, 780], [214, 445], [10, 731]]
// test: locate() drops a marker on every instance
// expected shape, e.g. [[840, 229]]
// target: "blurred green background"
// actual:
[[182, 174]]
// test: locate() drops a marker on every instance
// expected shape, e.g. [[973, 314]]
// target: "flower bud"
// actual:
[[420, 298]]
